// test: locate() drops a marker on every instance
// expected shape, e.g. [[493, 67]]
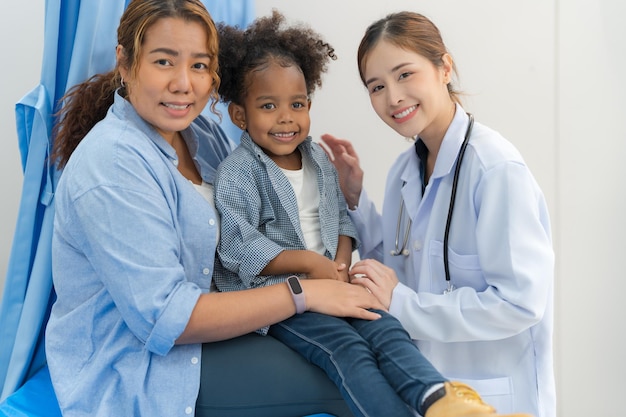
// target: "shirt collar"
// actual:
[[125, 110], [247, 142], [451, 144]]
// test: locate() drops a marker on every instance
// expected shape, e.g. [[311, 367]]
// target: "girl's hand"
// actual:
[[346, 161], [340, 299], [343, 272], [320, 267], [376, 277]]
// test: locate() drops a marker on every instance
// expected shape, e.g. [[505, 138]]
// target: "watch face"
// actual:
[[295, 285]]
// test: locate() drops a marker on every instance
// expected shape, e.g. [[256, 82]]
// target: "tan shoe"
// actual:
[[462, 401]]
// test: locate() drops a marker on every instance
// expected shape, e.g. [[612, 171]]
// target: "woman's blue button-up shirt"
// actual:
[[133, 249]]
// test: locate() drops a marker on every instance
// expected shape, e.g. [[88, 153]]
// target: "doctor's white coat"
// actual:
[[495, 330]]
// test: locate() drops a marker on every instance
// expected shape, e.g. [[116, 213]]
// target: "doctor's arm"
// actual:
[[346, 162], [362, 210], [516, 264]]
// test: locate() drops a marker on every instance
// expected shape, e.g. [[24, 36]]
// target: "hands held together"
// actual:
[[348, 299]]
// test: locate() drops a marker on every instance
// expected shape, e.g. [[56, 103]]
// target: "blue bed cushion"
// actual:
[[34, 399]]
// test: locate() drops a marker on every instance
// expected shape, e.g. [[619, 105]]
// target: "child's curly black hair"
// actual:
[[242, 51]]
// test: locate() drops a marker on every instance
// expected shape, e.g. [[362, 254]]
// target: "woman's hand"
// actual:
[[341, 299], [376, 277], [346, 161]]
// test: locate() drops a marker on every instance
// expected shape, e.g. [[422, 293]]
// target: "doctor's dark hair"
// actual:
[[410, 31], [263, 42], [87, 103]]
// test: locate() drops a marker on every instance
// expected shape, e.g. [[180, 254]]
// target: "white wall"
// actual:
[[548, 74], [591, 203]]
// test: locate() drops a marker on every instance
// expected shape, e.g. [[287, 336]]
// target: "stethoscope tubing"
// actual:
[[455, 182], [403, 249]]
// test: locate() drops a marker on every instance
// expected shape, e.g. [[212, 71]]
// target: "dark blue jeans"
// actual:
[[375, 364]]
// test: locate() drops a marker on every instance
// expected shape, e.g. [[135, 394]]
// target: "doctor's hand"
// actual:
[[378, 278], [346, 161]]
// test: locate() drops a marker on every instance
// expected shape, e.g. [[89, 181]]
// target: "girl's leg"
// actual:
[[335, 346], [400, 361]]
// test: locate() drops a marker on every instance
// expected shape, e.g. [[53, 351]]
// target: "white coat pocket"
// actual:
[[465, 270]]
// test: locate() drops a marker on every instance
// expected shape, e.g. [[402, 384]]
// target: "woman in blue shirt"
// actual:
[[487, 319], [135, 231]]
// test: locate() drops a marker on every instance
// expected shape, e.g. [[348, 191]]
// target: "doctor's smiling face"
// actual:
[[408, 92], [408, 72]]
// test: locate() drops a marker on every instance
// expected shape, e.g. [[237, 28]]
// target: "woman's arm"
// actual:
[[219, 316]]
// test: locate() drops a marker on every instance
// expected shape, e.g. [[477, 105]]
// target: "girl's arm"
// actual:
[[344, 257], [307, 262]]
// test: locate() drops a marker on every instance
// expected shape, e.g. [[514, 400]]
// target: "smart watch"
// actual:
[[293, 282]]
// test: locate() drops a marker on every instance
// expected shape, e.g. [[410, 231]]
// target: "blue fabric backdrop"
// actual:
[[80, 39]]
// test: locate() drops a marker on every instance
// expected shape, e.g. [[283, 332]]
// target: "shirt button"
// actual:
[[194, 360], [417, 245], [206, 271], [188, 410], [212, 222]]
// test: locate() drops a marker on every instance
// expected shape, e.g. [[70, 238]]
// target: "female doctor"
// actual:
[[462, 252]]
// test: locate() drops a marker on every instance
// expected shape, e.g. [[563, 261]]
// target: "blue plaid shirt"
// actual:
[[259, 213]]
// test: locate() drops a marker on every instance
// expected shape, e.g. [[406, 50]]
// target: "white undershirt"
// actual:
[[304, 183], [206, 190]]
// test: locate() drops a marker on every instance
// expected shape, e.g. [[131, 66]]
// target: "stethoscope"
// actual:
[[403, 250]]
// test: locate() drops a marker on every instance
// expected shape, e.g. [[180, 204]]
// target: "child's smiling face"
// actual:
[[276, 112]]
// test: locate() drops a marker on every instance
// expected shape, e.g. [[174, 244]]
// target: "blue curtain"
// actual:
[[80, 39]]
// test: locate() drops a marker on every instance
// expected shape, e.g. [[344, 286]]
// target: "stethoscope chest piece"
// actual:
[[450, 288], [402, 250]]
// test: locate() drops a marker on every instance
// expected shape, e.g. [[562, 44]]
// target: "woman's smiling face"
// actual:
[[407, 91], [172, 84]]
